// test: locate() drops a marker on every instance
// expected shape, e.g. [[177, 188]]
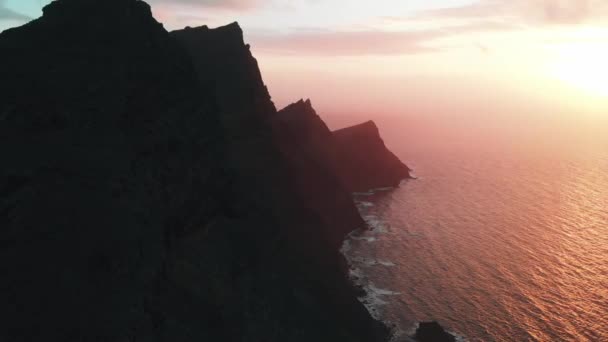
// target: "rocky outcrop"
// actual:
[[365, 162], [108, 156], [432, 332], [267, 191], [356, 155], [144, 197], [301, 121], [308, 146]]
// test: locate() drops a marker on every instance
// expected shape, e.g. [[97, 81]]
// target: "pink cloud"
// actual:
[[528, 11], [483, 9], [369, 42], [238, 5], [345, 43], [568, 11]]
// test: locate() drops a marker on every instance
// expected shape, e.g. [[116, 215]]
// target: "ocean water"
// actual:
[[503, 236]]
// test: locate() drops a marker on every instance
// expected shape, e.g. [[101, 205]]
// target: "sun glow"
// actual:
[[584, 66]]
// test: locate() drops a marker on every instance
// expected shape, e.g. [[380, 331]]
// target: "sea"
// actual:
[[501, 236]]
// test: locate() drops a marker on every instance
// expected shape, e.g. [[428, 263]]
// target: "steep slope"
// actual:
[[365, 162], [266, 190], [302, 122], [105, 156], [356, 155], [308, 145], [143, 195]]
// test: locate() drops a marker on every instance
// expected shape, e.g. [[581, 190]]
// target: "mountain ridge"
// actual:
[[150, 194], [356, 154]]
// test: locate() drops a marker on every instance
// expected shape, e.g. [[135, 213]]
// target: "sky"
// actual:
[[399, 57]]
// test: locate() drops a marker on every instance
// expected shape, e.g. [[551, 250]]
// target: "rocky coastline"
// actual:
[[152, 192]]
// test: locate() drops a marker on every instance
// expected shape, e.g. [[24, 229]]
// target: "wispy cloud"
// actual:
[[571, 11], [533, 12], [367, 42], [481, 9], [238, 5], [345, 43]]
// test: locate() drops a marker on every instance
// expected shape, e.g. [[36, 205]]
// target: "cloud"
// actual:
[[533, 12], [569, 12], [8, 14], [239, 5], [480, 9], [179, 13], [368, 42], [344, 43]]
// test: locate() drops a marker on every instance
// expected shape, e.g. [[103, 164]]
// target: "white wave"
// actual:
[[346, 247], [388, 188], [386, 263], [381, 292], [364, 204], [372, 192], [375, 298], [356, 274], [458, 337], [372, 262], [365, 238], [376, 224]]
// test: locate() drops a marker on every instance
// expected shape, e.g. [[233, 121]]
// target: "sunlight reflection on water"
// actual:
[[496, 242]]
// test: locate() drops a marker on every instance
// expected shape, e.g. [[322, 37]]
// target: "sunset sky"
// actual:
[[400, 57]]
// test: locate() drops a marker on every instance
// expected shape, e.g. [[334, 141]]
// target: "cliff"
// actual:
[[267, 188], [365, 162], [145, 195], [356, 155], [307, 145], [109, 156]]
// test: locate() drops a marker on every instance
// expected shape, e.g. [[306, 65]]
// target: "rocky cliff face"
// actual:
[[365, 162], [106, 157], [356, 155], [297, 246], [308, 146], [144, 196]]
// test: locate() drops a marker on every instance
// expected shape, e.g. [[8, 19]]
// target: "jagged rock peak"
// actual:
[[369, 125], [302, 120], [224, 60], [306, 102], [232, 28], [300, 107], [94, 20], [366, 162], [80, 7], [199, 28], [367, 129], [231, 33]]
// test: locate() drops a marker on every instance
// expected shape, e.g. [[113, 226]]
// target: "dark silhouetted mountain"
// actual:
[[144, 195], [432, 332], [356, 155], [109, 153], [365, 162], [302, 122], [267, 193], [307, 145]]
